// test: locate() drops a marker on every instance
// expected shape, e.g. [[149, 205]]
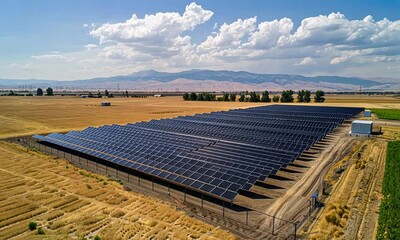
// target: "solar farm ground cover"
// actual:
[[218, 154]]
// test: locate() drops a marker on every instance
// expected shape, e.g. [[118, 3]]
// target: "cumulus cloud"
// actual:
[[51, 56], [229, 35], [164, 38], [160, 28], [90, 46], [163, 41], [306, 61]]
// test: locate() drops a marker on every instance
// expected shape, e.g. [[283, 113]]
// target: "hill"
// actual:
[[210, 80]]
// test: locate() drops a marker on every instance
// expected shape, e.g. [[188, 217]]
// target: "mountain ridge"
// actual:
[[166, 80]]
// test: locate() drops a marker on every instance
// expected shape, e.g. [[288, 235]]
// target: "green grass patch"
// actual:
[[389, 221], [390, 114]]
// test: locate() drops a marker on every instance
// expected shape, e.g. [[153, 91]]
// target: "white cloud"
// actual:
[[306, 61], [269, 34], [215, 26], [229, 35], [160, 28], [163, 41], [90, 46], [51, 56]]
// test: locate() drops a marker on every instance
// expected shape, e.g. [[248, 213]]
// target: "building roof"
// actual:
[[363, 122]]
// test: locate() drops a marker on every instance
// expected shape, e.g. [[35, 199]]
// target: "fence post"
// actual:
[[273, 224], [223, 209]]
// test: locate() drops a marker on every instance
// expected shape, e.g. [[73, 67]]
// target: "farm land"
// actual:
[[68, 202]]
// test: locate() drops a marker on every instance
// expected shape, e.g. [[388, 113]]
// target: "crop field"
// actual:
[[31, 115], [68, 202], [390, 114], [389, 223]]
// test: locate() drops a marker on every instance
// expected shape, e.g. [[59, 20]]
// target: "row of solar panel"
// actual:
[[217, 153]]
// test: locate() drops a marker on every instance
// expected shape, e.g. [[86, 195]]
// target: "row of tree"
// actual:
[[303, 96], [49, 92]]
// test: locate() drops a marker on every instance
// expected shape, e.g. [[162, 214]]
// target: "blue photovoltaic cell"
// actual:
[[216, 153]]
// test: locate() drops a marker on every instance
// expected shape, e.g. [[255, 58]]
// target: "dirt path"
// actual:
[[351, 210], [297, 197]]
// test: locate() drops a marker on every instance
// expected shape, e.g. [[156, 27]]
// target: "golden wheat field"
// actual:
[[70, 203], [30, 115]]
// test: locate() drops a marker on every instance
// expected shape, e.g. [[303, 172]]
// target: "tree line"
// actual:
[[303, 96]]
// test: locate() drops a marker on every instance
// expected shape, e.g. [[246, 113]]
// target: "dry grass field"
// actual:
[[30, 115], [70, 203]]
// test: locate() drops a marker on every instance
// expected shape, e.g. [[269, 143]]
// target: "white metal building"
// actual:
[[361, 127], [367, 113]]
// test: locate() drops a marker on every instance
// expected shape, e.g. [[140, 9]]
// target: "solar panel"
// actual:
[[216, 153]]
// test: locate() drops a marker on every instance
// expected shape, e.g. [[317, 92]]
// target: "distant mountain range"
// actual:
[[209, 80]]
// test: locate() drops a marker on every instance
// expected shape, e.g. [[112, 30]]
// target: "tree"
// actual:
[[106, 93], [242, 97], [49, 91], [200, 97], [232, 97], [96, 238], [265, 97], [39, 92], [319, 96], [40, 231], [275, 98], [300, 96], [287, 96], [32, 225], [99, 94], [307, 96], [225, 97], [254, 97], [304, 96], [193, 96], [126, 93], [186, 96]]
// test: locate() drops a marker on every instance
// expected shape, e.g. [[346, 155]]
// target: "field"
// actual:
[[70, 203], [389, 224], [390, 114], [30, 115]]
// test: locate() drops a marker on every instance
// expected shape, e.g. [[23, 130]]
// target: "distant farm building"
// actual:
[[367, 113], [361, 127], [158, 95], [105, 104]]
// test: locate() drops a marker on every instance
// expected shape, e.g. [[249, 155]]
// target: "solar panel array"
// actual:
[[216, 153]]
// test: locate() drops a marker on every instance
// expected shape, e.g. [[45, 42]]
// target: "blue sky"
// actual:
[[47, 39]]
